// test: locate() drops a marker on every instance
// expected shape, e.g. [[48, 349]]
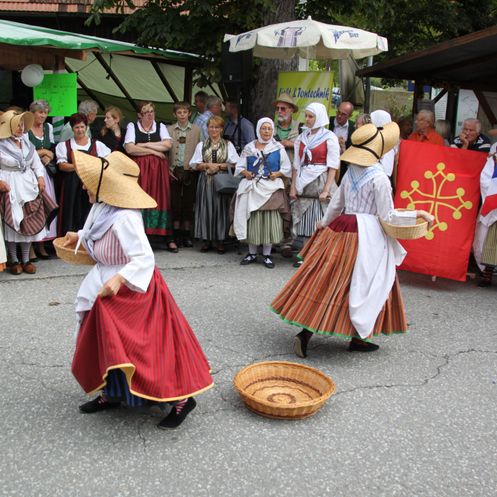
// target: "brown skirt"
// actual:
[[317, 296]]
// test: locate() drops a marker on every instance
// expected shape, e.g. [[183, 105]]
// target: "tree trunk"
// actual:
[[263, 91]]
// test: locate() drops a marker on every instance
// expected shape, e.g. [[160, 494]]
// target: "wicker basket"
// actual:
[[406, 232], [81, 257], [283, 390]]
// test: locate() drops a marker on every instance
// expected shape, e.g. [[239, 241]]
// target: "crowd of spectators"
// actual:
[[287, 170]]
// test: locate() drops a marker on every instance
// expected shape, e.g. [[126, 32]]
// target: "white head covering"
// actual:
[[380, 117], [319, 110], [260, 122]]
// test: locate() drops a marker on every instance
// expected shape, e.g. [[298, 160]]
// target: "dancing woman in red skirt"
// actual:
[[134, 345], [347, 285]]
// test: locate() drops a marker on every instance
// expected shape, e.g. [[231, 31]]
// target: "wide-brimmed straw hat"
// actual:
[[370, 144], [10, 120], [287, 99], [114, 180]]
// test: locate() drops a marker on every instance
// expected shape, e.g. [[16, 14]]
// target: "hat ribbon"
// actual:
[[362, 145], [105, 165]]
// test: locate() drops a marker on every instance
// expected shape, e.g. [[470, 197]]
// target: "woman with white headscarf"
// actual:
[[261, 205], [381, 118], [317, 159]]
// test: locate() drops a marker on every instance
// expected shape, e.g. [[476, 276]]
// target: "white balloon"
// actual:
[[32, 75]]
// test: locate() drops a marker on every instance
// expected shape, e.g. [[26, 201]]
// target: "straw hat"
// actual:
[[287, 99], [370, 144], [114, 180], [10, 120]]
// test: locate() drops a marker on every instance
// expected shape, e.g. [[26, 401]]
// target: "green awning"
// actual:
[[15, 33]]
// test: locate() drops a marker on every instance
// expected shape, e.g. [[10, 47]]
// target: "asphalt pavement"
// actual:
[[418, 418]]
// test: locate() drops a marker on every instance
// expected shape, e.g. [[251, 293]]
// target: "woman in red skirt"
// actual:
[[347, 285], [134, 345], [148, 142]]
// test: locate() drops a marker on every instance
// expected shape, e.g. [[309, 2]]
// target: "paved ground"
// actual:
[[417, 418]]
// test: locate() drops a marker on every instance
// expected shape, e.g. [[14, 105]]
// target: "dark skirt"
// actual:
[[184, 188], [211, 210], [74, 204], [154, 179]]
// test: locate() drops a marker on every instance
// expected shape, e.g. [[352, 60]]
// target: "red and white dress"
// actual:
[[140, 331]]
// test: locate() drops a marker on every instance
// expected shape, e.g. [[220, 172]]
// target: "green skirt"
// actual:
[[264, 228], [489, 253]]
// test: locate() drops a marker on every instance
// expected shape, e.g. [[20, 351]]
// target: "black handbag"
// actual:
[[226, 183]]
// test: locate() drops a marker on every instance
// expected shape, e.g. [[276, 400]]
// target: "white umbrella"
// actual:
[[309, 39]]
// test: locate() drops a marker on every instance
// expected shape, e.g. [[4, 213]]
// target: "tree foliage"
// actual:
[[409, 26], [194, 26]]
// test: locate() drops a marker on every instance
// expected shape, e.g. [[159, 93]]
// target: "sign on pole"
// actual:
[[60, 91], [307, 87]]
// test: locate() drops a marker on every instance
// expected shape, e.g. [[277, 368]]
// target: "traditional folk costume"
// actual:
[[212, 208], [74, 204], [317, 154], [154, 178], [185, 186], [485, 242], [24, 210], [347, 284], [261, 203], [136, 346], [47, 142]]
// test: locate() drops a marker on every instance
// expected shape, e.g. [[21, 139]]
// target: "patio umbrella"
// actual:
[[308, 39]]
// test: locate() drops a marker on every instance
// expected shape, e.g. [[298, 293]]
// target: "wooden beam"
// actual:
[[188, 85], [486, 107], [116, 80], [87, 90], [164, 81], [440, 95]]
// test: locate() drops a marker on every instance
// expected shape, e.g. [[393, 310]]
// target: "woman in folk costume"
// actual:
[[25, 207], [485, 242], [316, 162], [212, 156], [347, 285], [133, 344], [261, 202]]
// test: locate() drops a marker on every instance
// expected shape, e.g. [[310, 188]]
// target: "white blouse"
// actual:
[[130, 136], [198, 159], [373, 197], [137, 271], [61, 150]]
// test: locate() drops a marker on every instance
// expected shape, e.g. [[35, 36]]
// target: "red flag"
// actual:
[[445, 182]]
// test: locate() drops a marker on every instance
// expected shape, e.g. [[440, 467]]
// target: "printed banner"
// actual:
[[60, 91], [445, 182], [307, 87]]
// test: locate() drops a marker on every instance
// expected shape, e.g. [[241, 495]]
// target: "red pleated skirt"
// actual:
[[148, 338], [154, 179], [317, 296]]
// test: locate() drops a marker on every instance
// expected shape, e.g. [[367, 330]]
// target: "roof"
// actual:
[[15, 36], [466, 62], [59, 6]]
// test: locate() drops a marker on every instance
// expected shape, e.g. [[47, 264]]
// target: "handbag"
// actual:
[[226, 183]]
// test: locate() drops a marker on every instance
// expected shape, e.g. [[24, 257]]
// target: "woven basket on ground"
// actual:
[[283, 390], [406, 232], [81, 257]]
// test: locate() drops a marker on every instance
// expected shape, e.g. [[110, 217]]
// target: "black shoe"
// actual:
[[248, 259], [174, 419], [268, 262], [187, 243], [98, 404], [362, 346], [300, 343], [298, 263]]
